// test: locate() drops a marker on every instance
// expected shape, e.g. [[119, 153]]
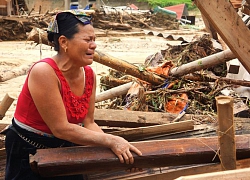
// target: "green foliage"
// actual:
[[164, 3]]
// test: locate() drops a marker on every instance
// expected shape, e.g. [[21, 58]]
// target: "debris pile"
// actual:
[[192, 93], [17, 27], [123, 20]]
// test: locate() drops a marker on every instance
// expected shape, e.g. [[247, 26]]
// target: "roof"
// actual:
[[180, 9]]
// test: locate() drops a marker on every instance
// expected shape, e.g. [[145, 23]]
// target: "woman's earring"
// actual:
[[65, 49]]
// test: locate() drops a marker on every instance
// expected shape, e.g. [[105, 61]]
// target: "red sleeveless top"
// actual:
[[76, 106]]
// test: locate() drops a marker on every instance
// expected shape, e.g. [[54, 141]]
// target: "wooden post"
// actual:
[[9, 7], [17, 7], [5, 104], [66, 4], [226, 132]]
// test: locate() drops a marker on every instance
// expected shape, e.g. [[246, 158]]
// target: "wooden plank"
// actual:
[[2, 152], [5, 104], [230, 27], [132, 119], [87, 160], [166, 173], [242, 174], [3, 126], [144, 132]]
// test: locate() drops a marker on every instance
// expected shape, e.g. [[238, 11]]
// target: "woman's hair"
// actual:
[[67, 25]]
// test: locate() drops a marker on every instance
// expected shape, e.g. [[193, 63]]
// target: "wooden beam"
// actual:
[[242, 174], [132, 119], [230, 27], [87, 160], [144, 132], [5, 104], [167, 173]]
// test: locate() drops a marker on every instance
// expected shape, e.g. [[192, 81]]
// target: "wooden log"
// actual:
[[114, 92], [87, 160], [15, 72], [203, 63], [242, 174], [230, 27], [16, 18], [111, 82], [144, 132], [111, 25], [5, 104], [39, 36], [127, 68], [226, 132]]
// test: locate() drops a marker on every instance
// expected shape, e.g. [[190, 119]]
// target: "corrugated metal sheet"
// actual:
[[180, 9], [185, 35]]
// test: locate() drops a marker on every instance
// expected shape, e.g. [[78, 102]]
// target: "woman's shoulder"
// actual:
[[44, 66]]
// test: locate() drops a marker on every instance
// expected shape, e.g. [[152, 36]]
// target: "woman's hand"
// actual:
[[122, 148]]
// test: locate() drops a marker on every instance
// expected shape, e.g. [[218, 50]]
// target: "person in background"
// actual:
[[56, 105]]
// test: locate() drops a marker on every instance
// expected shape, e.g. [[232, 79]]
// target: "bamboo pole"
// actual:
[[114, 92], [5, 104], [226, 132], [203, 63]]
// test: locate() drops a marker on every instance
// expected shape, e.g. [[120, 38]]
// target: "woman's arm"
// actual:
[[45, 91]]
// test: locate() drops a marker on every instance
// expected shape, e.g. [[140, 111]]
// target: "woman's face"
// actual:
[[82, 46]]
